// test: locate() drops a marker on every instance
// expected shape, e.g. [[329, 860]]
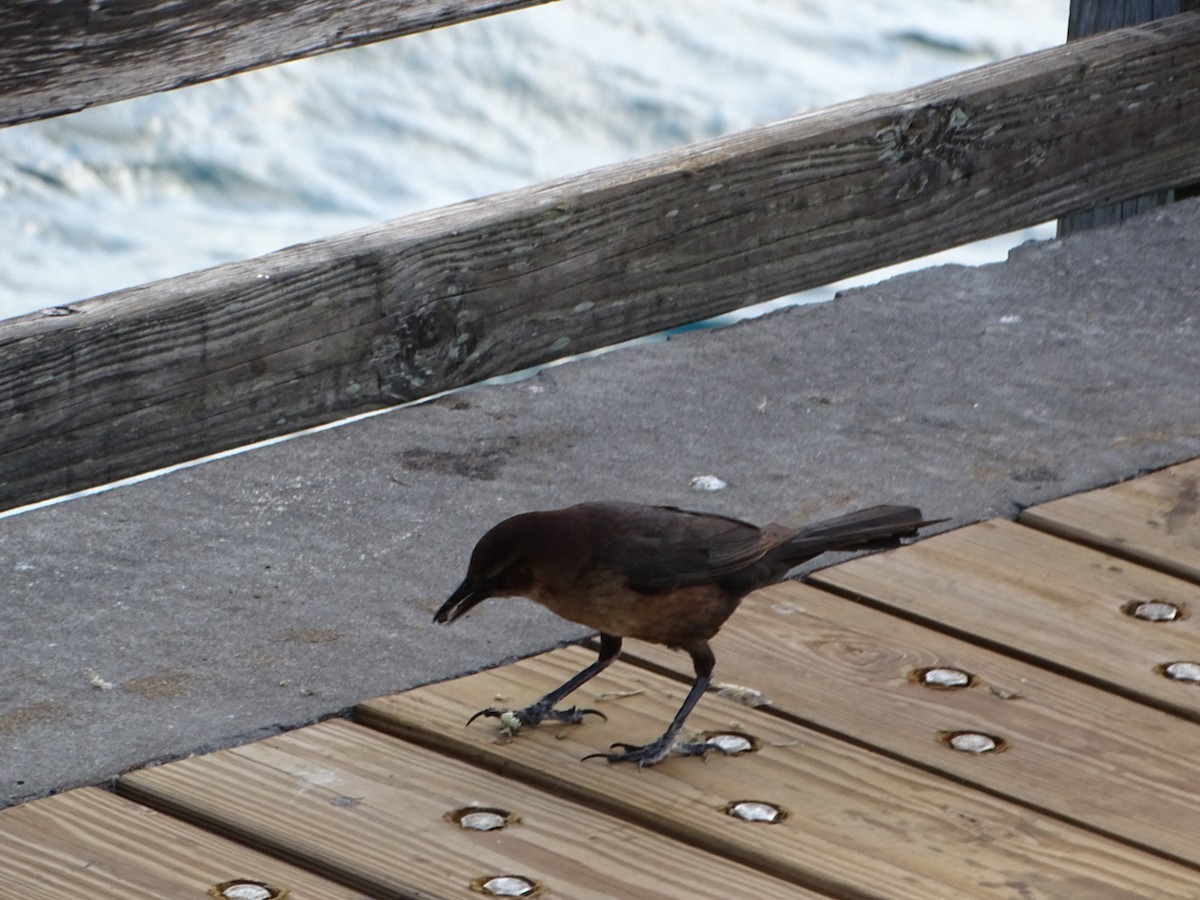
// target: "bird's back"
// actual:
[[660, 548]]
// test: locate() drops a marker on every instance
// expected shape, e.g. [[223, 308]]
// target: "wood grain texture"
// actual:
[[860, 824], [371, 810], [58, 56], [172, 370], [1153, 520], [1072, 751], [1041, 598], [87, 843]]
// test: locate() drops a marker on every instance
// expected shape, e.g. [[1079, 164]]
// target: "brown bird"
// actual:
[[656, 573]]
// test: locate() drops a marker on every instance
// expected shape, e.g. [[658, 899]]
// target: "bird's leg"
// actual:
[[543, 710], [657, 751]]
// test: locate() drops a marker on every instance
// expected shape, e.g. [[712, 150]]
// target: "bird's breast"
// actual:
[[673, 617]]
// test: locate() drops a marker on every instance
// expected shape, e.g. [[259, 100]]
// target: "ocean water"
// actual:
[[148, 188]]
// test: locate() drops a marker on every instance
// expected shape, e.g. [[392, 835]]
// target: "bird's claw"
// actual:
[[513, 720], [651, 754], [574, 715], [494, 712]]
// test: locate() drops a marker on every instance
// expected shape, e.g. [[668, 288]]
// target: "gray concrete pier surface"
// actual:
[[262, 591]]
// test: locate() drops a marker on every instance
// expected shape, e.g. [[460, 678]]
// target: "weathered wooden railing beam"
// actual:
[[178, 368], [60, 56]]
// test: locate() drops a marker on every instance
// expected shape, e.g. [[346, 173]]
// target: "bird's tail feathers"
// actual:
[[876, 528]]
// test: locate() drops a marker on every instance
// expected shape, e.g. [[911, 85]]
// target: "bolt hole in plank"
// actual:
[[1153, 610], [756, 811], [943, 678], [1187, 672], [507, 886], [732, 743], [477, 818], [972, 742], [243, 889]]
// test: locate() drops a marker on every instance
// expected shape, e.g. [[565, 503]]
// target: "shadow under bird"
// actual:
[[655, 573]]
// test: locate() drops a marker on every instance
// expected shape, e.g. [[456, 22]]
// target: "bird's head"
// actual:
[[499, 567]]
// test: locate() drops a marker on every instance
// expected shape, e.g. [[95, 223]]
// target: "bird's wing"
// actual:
[[677, 547]]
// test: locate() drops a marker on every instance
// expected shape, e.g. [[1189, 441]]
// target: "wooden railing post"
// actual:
[[1089, 17]]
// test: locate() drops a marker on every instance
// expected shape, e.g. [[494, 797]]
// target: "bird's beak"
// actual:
[[464, 598]]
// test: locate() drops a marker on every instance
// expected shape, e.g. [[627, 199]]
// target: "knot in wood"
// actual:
[[424, 346], [928, 146]]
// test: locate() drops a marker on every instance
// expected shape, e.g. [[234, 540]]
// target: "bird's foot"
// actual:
[[513, 720], [653, 753]]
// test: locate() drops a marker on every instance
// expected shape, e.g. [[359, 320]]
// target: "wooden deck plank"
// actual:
[[1052, 601], [88, 843], [1154, 520], [880, 827], [854, 670], [371, 809]]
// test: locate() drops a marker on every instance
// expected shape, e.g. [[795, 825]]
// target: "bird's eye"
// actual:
[[517, 576]]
